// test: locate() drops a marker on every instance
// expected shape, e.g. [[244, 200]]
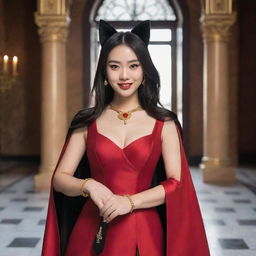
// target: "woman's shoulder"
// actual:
[[170, 121], [83, 118]]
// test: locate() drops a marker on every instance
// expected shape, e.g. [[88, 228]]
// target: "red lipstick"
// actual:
[[124, 86]]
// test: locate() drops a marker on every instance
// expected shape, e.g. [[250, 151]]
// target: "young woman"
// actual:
[[122, 185]]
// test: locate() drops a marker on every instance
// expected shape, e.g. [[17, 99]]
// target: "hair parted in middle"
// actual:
[[148, 93]]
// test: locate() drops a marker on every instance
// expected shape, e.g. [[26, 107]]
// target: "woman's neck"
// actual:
[[125, 104]]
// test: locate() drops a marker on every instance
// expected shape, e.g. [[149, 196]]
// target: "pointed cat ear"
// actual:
[[105, 31], [143, 31]]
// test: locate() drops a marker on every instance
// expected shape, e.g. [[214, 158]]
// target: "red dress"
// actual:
[[172, 229], [124, 171]]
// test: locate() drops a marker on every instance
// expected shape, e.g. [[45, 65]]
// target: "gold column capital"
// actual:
[[53, 7], [217, 6], [216, 27], [52, 28]]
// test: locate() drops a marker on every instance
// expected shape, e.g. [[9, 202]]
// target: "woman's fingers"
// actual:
[[106, 208], [106, 204], [109, 211], [112, 216], [114, 206]]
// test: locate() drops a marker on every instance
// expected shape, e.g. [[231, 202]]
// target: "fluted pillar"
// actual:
[[53, 22], [216, 22]]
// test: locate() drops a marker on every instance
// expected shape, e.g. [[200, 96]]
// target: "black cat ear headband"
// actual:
[[142, 30]]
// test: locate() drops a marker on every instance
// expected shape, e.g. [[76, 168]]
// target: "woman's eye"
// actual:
[[113, 66], [134, 65]]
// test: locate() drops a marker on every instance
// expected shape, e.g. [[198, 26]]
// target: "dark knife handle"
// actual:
[[99, 240]]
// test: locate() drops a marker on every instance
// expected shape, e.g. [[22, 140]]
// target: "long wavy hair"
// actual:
[[148, 94]]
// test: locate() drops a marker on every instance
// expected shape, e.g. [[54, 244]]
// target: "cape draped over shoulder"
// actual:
[[180, 214]]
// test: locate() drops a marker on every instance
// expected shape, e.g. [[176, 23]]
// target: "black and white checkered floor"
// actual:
[[229, 214]]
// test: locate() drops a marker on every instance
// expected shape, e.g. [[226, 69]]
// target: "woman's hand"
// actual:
[[115, 205], [98, 192]]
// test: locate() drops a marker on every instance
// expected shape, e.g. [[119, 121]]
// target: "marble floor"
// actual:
[[229, 213]]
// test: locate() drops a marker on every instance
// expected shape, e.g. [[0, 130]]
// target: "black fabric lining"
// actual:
[[137, 251]]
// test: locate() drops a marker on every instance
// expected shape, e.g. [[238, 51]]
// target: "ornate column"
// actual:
[[53, 20], [216, 22]]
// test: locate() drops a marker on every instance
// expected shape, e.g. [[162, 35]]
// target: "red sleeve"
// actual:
[[185, 229]]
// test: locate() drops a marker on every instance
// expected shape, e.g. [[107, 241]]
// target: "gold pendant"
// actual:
[[124, 116]]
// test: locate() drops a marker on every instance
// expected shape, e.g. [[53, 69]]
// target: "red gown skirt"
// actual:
[[124, 171]]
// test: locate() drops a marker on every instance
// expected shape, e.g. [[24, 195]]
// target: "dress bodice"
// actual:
[[124, 170]]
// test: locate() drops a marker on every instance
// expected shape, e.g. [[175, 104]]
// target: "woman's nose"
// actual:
[[123, 74]]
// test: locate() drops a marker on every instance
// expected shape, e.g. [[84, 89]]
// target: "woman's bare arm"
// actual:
[[63, 179], [172, 161]]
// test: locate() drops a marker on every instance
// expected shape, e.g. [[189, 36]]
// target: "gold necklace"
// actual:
[[124, 115]]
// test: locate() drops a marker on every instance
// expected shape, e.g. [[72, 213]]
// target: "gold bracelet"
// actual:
[[83, 192], [132, 204]]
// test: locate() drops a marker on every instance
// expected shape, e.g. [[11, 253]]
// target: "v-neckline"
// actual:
[[144, 136]]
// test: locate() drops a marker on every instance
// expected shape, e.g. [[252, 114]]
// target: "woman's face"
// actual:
[[124, 71]]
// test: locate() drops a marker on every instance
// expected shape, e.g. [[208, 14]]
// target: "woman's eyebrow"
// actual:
[[119, 61]]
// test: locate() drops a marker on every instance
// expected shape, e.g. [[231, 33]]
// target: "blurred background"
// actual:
[[205, 54]]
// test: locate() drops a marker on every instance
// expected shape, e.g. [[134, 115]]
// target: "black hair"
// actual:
[[148, 94]]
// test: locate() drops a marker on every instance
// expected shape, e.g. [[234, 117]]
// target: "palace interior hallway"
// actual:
[[205, 53]]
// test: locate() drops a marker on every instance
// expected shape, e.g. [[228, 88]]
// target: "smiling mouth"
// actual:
[[125, 85]]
